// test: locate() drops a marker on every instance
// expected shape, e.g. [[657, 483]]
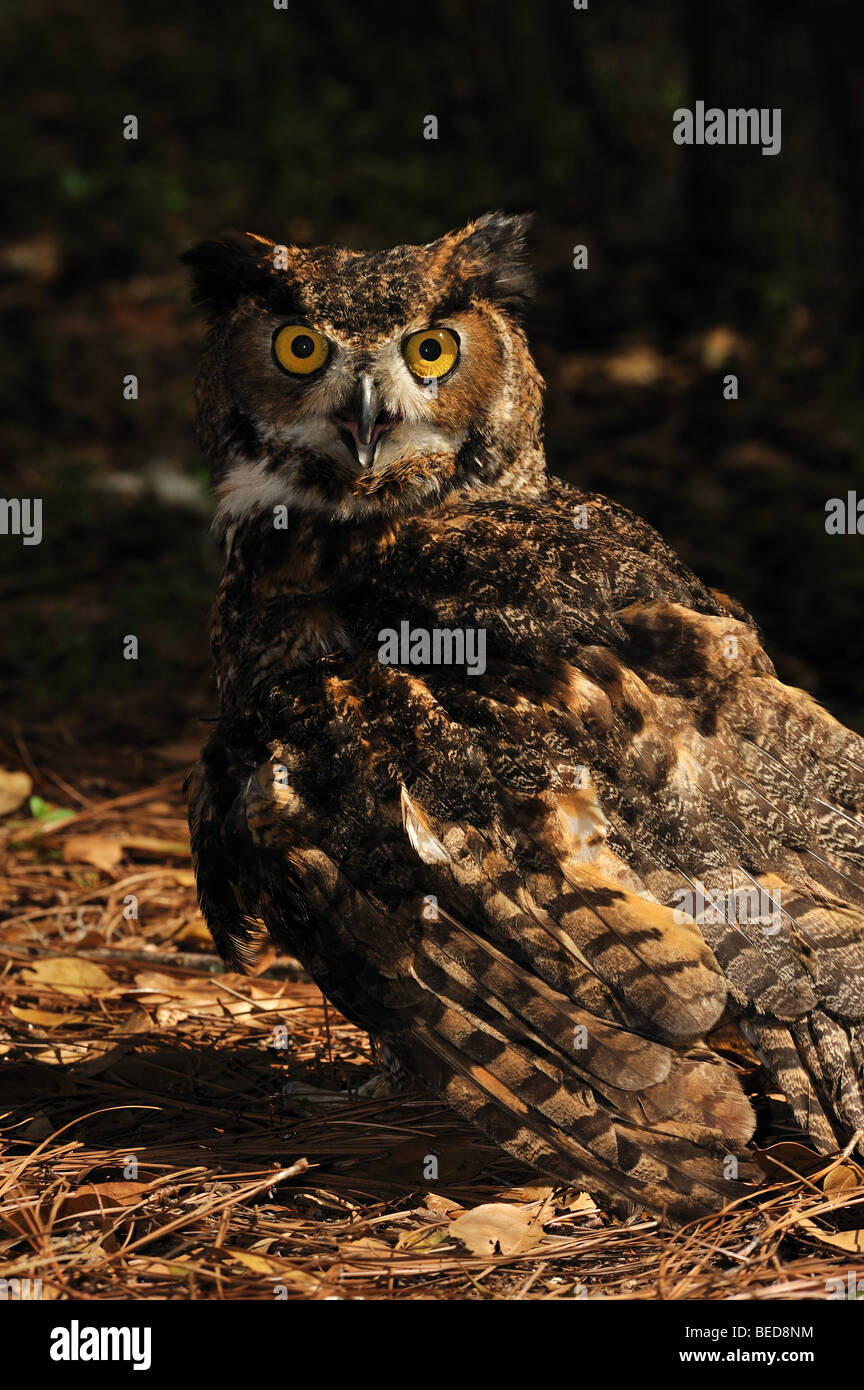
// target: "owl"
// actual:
[[523, 795]]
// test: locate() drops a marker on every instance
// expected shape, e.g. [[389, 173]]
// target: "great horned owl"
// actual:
[[543, 876]]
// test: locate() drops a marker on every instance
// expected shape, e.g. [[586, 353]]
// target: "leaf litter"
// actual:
[[172, 1131]]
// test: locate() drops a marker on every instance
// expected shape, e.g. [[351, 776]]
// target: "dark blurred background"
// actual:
[[307, 124]]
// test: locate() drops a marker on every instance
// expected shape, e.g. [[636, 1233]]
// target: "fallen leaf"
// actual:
[[300, 1280], [497, 1228], [169, 1015], [852, 1242], [782, 1161], [151, 845], [67, 975], [441, 1206], [845, 1175], [578, 1204], [162, 1269], [15, 787], [424, 1238], [257, 1263], [161, 984], [196, 932], [99, 1201], [58, 1055], [138, 1021], [98, 850], [44, 1018], [528, 1192], [46, 813], [115, 1194]]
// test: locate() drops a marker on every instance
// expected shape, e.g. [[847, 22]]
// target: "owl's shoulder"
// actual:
[[564, 548]]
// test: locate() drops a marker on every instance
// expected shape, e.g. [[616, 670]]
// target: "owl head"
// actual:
[[360, 383]]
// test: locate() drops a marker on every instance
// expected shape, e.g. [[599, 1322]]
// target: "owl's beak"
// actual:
[[364, 427]]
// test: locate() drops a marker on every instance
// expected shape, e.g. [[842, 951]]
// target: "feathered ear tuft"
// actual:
[[490, 259], [223, 271]]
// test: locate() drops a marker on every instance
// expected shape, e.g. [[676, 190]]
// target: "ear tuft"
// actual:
[[491, 259], [224, 271]]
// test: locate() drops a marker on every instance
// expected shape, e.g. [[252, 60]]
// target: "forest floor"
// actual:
[[172, 1131]]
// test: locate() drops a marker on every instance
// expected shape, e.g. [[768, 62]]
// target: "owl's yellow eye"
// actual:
[[432, 353], [300, 350]]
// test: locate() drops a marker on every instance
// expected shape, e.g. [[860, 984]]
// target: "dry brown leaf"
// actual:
[[99, 850], [845, 1175], [528, 1192], [239, 1007], [424, 1238], [169, 1015], [497, 1228], [782, 1161], [196, 932], [68, 975], [168, 985], [101, 1201], [442, 1206], [15, 787], [115, 1194], [44, 1018], [162, 1269], [278, 1270], [138, 1021], [150, 844], [58, 1055], [852, 1242], [579, 1204], [257, 1263]]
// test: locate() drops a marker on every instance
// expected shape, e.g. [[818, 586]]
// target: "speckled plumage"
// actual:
[[485, 870]]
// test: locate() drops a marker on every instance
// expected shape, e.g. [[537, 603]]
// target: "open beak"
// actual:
[[364, 428]]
